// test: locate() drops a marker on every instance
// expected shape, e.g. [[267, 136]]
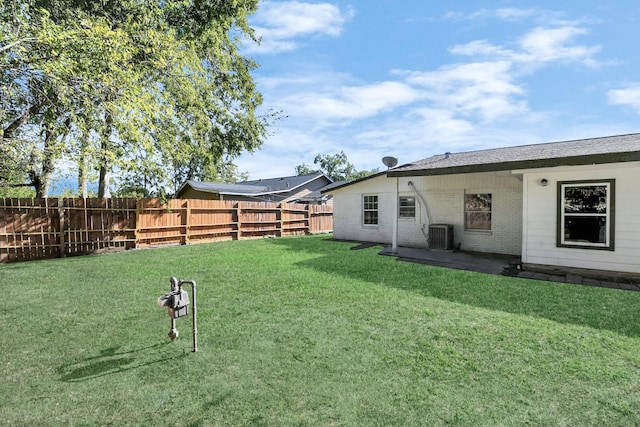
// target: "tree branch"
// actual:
[[17, 42], [16, 185], [9, 130]]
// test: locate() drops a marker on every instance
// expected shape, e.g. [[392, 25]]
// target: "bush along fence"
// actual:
[[48, 228]]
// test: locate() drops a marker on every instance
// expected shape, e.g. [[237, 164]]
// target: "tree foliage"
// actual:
[[154, 90], [336, 166]]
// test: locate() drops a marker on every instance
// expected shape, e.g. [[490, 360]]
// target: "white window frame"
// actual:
[[470, 211], [406, 210], [608, 215], [367, 207]]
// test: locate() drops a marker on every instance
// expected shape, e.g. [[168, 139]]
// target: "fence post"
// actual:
[[61, 225], [238, 216], [137, 225], [187, 223]]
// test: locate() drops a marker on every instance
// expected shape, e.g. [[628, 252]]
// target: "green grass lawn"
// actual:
[[305, 331]]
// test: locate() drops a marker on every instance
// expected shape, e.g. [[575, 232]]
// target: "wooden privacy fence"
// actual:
[[46, 228]]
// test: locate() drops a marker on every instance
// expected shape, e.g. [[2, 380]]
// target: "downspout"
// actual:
[[394, 231], [426, 209]]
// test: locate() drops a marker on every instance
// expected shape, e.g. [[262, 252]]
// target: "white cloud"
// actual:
[[552, 40], [352, 102], [282, 24], [411, 136], [288, 147], [537, 47], [629, 96], [506, 14], [302, 77], [442, 123], [481, 48], [543, 45], [512, 13], [509, 14], [484, 88]]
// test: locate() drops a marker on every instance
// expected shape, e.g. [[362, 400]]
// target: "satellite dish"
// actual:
[[389, 161]]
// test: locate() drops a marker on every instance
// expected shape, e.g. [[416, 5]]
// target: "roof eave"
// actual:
[[184, 185], [313, 178], [264, 193], [346, 184], [295, 187], [525, 164]]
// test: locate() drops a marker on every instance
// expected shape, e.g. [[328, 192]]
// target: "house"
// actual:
[[563, 204], [290, 189]]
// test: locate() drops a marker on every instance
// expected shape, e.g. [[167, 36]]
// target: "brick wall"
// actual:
[[441, 202]]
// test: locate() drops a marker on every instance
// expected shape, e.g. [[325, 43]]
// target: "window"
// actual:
[[477, 211], [407, 207], [585, 217], [370, 210]]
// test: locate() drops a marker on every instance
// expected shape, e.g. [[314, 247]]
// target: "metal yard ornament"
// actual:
[[177, 303]]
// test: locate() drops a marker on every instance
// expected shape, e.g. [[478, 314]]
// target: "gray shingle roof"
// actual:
[[255, 187], [284, 183], [611, 149], [218, 187]]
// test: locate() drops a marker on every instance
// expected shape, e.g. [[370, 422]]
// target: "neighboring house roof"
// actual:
[[218, 187], [255, 188], [284, 184], [611, 149], [318, 196]]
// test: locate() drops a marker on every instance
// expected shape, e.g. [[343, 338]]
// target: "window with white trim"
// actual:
[[585, 217], [370, 210], [407, 207], [477, 211]]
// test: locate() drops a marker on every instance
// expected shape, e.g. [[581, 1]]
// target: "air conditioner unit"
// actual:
[[441, 236]]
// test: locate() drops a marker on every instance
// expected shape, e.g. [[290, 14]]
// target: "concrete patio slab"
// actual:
[[499, 265], [483, 263]]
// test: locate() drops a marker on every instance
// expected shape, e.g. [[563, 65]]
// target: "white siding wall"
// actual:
[[444, 196], [540, 218]]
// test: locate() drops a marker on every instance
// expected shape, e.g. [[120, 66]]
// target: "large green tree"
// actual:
[[336, 167], [153, 90]]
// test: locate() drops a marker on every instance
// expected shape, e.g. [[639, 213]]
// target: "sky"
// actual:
[[416, 78]]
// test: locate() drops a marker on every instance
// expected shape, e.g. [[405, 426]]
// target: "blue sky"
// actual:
[[414, 78]]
